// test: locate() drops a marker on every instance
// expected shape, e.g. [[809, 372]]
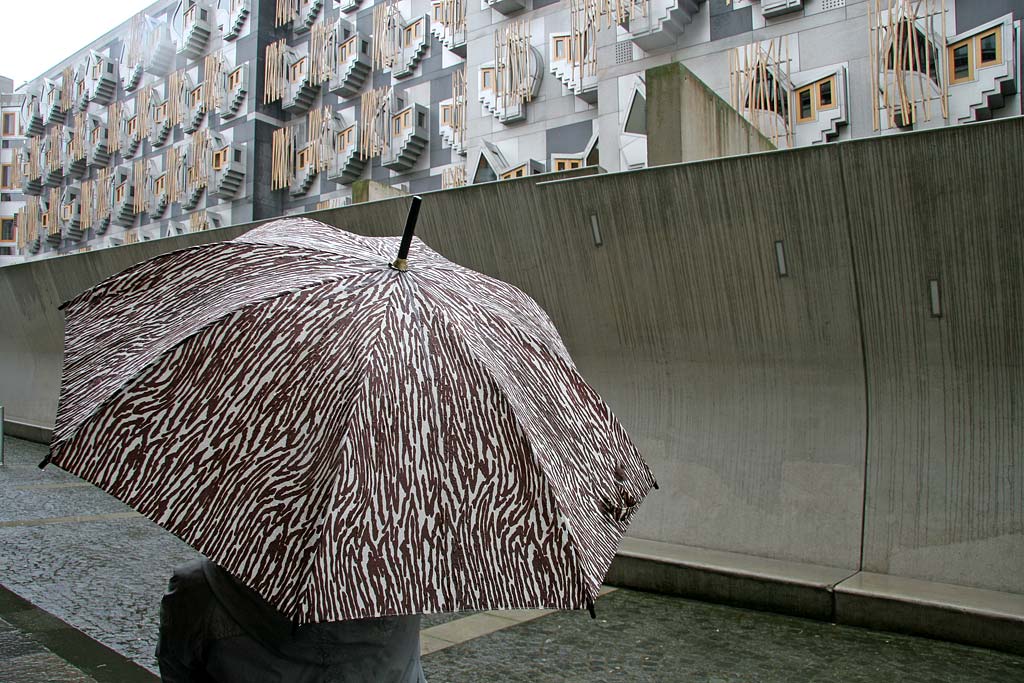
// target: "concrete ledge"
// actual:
[[960, 614], [803, 590], [967, 615], [28, 431]]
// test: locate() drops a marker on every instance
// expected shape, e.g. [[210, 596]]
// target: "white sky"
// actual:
[[37, 34]]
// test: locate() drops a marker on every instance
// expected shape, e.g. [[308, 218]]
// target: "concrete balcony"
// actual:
[[123, 198], [101, 78], [506, 7], [235, 89], [575, 78], [71, 215], [195, 110], [992, 81], [160, 126], [52, 112], [96, 153], [346, 164], [160, 52], [131, 76], [158, 197], [776, 8], [449, 136], [665, 22], [349, 6], [74, 165], [32, 115], [353, 66], [410, 135], [299, 90], [308, 11], [453, 39], [508, 109], [414, 43], [227, 171], [238, 12], [197, 24]]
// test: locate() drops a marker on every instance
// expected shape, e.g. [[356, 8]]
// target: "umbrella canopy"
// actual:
[[348, 439]]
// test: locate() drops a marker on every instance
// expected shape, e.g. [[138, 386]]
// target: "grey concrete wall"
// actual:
[[760, 401], [688, 121]]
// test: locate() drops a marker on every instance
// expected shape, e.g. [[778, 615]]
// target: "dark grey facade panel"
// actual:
[[569, 139], [427, 184], [732, 23]]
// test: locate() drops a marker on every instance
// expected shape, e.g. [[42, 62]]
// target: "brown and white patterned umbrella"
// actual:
[[348, 439]]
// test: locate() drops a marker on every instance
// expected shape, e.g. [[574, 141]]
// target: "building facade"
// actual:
[[201, 113]]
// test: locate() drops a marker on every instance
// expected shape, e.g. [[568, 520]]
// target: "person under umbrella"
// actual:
[[350, 436]]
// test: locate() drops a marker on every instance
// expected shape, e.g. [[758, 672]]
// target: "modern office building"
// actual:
[[199, 113], [11, 197]]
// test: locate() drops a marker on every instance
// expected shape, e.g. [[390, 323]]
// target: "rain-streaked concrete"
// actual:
[[824, 417]]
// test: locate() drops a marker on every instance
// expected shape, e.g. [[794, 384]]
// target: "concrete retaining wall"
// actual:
[[818, 418]]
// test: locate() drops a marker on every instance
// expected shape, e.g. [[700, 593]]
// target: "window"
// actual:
[[990, 47], [446, 114], [94, 134], [961, 68], [65, 212], [220, 159], [45, 220], [302, 159], [10, 123], [160, 112], [132, 126], [120, 192], [344, 139], [364, 47], [562, 48], [160, 185], [80, 89], [567, 164], [805, 105], [190, 16], [826, 93], [517, 172], [437, 12], [97, 70], [197, 96], [487, 79], [411, 34], [347, 49], [7, 176], [7, 230], [235, 79], [297, 70]]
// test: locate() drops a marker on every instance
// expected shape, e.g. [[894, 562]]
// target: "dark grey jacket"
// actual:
[[215, 630]]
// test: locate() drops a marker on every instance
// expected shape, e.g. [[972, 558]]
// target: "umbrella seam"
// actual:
[[563, 517]]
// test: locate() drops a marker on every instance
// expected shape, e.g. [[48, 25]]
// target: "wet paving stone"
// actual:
[[105, 579]]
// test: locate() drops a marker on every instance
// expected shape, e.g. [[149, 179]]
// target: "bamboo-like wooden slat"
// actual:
[[374, 122], [28, 219], [67, 89], [53, 212], [102, 192], [902, 36], [76, 146], [140, 185], [54, 143], [758, 83], [198, 221], [282, 170], [134, 52], [213, 77], [142, 112], [85, 199], [176, 97], [459, 100], [453, 16], [387, 34], [453, 176], [512, 56], [198, 173], [285, 11], [274, 71], [584, 23], [320, 138], [174, 175], [322, 55], [113, 126]]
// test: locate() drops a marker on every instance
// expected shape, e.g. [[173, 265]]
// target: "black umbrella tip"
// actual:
[[45, 461], [591, 609], [410, 227]]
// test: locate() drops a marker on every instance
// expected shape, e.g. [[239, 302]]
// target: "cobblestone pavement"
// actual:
[[75, 555]]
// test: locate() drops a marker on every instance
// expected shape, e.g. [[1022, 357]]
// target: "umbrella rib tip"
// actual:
[[400, 264]]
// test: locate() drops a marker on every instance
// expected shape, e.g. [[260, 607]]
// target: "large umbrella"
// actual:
[[348, 437]]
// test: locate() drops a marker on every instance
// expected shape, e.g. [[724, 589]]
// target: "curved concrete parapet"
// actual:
[[775, 410]]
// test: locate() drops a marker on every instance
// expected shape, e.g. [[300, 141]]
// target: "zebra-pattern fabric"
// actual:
[[349, 440]]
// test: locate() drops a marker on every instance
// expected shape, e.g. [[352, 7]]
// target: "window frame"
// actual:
[[8, 183], [563, 41], [10, 116], [160, 184], [446, 115], [235, 78], [302, 158], [297, 67], [483, 79], [809, 90], [221, 158], [967, 43], [512, 173], [14, 230], [567, 163], [120, 192], [195, 98], [833, 83], [996, 32]]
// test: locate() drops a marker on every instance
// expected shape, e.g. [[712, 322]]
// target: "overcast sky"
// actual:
[[37, 34]]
